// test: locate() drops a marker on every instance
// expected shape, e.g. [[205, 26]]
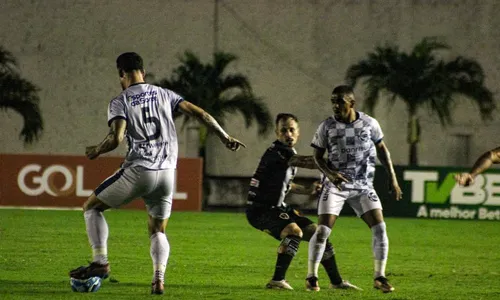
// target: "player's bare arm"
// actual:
[[303, 189], [483, 163], [302, 161], [335, 177], [115, 136], [385, 159], [209, 121]]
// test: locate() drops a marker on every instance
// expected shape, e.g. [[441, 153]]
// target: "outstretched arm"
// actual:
[[385, 159], [302, 161], [209, 121], [482, 164], [111, 141]]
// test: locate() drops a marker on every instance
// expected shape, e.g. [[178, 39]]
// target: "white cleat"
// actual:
[[278, 285], [345, 285]]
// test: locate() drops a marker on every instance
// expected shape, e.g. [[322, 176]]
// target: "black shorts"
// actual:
[[273, 220]]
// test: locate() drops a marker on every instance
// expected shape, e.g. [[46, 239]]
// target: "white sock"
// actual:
[[97, 231], [160, 250], [317, 245], [380, 247]]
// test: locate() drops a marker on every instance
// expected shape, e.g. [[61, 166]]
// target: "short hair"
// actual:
[[129, 61], [344, 90], [286, 116]]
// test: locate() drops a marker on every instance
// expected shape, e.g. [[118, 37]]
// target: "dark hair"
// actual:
[[284, 117], [129, 61], [343, 91]]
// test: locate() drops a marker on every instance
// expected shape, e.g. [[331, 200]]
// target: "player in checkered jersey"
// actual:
[[143, 113], [352, 140]]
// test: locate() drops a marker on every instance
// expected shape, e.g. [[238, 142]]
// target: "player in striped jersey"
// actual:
[[352, 140], [267, 211], [143, 113]]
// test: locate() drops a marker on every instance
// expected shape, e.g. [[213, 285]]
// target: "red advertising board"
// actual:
[[67, 181]]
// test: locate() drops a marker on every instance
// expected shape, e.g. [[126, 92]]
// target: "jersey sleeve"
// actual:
[[116, 110], [174, 99], [320, 137], [377, 134]]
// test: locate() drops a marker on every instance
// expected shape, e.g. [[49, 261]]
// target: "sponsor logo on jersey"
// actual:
[[364, 136], [353, 150], [284, 216], [142, 98]]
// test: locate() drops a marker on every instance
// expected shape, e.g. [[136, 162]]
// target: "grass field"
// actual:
[[219, 256]]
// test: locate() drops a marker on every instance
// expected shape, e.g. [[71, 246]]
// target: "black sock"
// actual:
[[330, 264], [282, 264], [290, 245]]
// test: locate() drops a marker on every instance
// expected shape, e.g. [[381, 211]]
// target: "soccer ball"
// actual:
[[91, 284]]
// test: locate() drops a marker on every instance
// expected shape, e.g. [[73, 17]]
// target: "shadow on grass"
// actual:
[[62, 286]]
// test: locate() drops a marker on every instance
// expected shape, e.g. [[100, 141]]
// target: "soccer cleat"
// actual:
[[345, 285], [382, 283], [157, 287], [278, 285], [312, 284], [92, 270]]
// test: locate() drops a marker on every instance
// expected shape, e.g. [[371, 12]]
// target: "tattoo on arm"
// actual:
[[109, 143], [211, 123], [302, 161]]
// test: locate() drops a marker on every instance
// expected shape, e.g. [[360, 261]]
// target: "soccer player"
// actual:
[[352, 140], [144, 114], [482, 164], [267, 211]]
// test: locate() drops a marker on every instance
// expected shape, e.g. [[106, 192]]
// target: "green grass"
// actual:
[[219, 256]]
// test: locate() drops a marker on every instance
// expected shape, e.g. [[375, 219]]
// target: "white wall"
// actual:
[[294, 52]]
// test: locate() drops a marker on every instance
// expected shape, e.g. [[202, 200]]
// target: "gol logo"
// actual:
[[44, 181]]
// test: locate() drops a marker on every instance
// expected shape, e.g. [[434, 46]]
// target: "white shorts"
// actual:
[[154, 186], [332, 200]]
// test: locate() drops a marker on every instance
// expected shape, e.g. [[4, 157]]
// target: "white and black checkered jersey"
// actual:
[[272, 180], [151, 134], [351, 148]]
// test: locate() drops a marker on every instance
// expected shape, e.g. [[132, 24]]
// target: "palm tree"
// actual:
[[20, 95], [419, 78], [220, 94]]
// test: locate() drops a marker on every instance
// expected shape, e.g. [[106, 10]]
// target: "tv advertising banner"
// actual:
[[67, 181], [431, 192]]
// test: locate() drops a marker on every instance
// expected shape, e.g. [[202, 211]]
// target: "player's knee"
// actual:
[[379, 231], [292, 229], [289, 245], [94, 203], [329, 251], [156, 225], [308, 231], [323, 232]]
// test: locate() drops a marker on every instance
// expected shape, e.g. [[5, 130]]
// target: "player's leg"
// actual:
[[330, 204], [328, 260], [159, 206], [290, 237], [279, 224], [160, 251], [371, 213], [116, 190], [97, 232], [317, 245]]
